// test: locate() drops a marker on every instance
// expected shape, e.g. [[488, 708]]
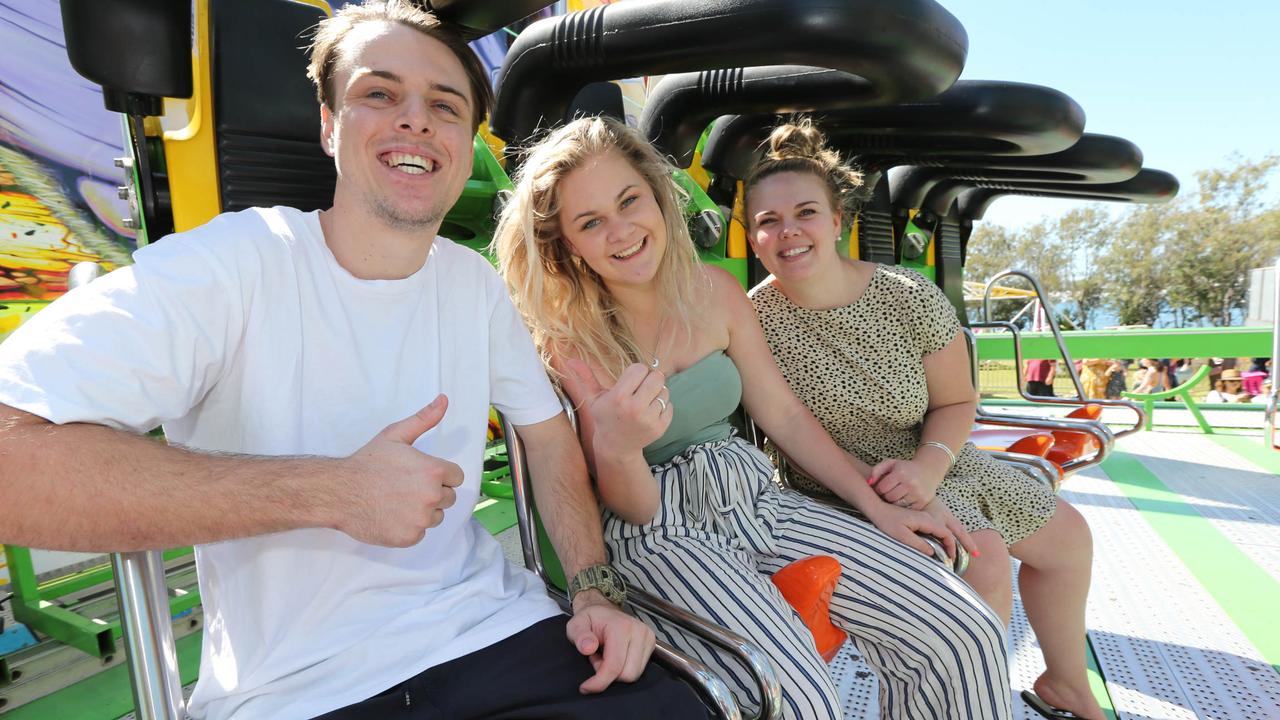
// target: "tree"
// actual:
[[1131, 267], [1215, 244], [1191, 257], [1083, 236], [993, 249]]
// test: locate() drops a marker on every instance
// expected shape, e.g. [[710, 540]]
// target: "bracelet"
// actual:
[[951, 456]]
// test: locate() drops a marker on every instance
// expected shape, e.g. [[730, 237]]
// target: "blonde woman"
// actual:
[[657, 350], [876, 353]]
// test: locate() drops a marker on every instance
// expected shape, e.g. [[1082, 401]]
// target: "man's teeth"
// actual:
[[795, 251], [630, 251], [411, 164]]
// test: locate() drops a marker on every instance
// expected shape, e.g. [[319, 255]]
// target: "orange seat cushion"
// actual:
[[1086, 412], [1068, 446], [807, 586]]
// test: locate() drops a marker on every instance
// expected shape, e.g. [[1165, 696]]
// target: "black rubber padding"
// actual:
[[1148, 186], [475, 19], [140, 47], [1093, 159], [914, 46], [973, 117], [265, 109]]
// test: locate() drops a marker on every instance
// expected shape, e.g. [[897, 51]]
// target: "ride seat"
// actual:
[[1025, 441], [266, 122], [1069, 445]]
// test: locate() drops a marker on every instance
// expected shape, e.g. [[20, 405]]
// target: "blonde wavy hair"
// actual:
[[799, 146], [564, 302]]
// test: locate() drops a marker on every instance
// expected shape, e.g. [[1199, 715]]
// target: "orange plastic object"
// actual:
[[1067, 445], [1012, 439], [1086, 412], [807, 585]]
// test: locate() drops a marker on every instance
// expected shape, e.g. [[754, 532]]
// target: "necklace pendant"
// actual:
[[654, 364]]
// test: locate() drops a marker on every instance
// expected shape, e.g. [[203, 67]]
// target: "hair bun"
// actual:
[[799, 139], [799, 146]]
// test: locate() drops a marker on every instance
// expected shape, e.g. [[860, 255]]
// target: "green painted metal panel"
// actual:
[[1160, 343], [67, 627], [495, 514], [1098, 683], [920, 264], [105, 696]]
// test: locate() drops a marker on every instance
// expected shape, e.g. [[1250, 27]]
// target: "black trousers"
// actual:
[[532, 674], [1042, 389]]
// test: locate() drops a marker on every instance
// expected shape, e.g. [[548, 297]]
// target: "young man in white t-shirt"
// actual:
[[324, 380]]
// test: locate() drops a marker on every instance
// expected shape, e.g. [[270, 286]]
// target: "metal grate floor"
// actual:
[[1166, 648], [857, 684], [1240, 499]]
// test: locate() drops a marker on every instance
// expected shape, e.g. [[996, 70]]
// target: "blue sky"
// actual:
[[1189, 81]]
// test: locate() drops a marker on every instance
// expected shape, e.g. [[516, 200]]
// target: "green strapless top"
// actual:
[[703, 396]]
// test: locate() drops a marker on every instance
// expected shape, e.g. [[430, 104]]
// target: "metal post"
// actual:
[[1274, 395], [148, 635]]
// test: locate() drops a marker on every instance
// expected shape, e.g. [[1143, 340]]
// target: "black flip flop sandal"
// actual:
[[1046, 709]]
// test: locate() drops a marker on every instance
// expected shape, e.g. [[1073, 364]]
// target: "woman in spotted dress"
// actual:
[[876, 354]]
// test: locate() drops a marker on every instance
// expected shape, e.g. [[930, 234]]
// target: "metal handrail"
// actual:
[[1039, 468], [1080, 400], [714, 690], [1100, 432], [1061, 342], [1104, 435], [147, 633]]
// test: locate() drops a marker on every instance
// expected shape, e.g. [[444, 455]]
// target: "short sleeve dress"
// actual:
[[860, 370]]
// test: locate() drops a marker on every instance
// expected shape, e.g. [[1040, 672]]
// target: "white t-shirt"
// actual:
[[246, 336]]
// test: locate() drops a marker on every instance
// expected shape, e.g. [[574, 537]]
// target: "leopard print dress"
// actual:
[[860, 369]]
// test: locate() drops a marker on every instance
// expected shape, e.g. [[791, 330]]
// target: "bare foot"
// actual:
[[1079, 700]]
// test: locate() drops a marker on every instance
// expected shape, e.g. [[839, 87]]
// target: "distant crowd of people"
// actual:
[[1103, 378]]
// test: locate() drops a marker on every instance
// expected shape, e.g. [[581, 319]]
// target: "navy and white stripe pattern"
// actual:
[[723, 527]]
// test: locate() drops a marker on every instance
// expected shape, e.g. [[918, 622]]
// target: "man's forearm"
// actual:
[[90, 488], [565, 499]]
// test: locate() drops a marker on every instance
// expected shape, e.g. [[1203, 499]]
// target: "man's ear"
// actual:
[[326, 130]]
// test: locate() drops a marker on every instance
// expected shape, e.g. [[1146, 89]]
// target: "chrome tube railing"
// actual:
[[1040, 469], [1052, 316], [148, 635], [1104, 435], [1140, 415]]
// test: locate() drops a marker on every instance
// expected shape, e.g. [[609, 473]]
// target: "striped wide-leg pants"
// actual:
[[723, 527]]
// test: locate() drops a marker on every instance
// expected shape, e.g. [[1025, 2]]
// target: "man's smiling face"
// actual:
[[401, 126]]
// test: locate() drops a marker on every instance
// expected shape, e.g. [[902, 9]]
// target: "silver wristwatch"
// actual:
[[603, 578]]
